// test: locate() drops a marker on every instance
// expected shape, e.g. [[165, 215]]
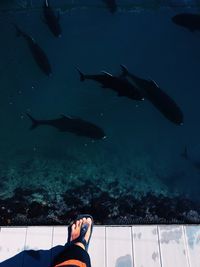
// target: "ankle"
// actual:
[[80, 245]]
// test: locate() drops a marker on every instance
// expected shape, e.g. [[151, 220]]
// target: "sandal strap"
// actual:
[[81, 238], [84, 228]]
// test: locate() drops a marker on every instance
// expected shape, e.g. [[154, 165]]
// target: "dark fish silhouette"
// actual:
[[163, 102], [111, 4], [196, 164], [51, 19], [72, 125], [117, 84], [184, 154], [37, 52], [188, 20]]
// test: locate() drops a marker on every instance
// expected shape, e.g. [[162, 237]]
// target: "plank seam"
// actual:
[[24, 246], [132, 246], [159, 247], [105, 247], [186, 246], [51, 261]]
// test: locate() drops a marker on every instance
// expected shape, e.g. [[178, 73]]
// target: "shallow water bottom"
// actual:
[[41, 190]]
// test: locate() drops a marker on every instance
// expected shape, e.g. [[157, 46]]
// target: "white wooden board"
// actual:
[[97, 247], [119, 247], [193, 244], [172, 246], [59, 240], [136, 246], [12, 241], [59, 235], [145, 246], [38, 245]]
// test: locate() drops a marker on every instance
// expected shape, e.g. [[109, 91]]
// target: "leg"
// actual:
[[75, 254]]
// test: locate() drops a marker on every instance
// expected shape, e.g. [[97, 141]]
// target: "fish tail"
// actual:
[[185, 154], [35, 123], [82, 77], [124, 70], [46, 3]]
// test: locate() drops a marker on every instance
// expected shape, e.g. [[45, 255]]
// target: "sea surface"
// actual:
[[147, 169]]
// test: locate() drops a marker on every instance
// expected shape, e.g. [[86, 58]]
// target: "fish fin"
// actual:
[[152, 81], [64, 116], [34, 122], [46, 3], [184, 154], [106, 73], [124, 70], [82, 77]]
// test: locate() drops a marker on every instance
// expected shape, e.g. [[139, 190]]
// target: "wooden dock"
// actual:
[[111, 246]]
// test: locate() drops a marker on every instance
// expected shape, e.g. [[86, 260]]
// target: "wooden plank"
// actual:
[[59, 240], [38, 245], [192, 234], [110, 246], [145, 246], [119, 247], [39, 238], [97, 247], [12, 242], [172, 246], [59, 235]]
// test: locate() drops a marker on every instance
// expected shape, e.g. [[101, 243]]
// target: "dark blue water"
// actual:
[[138, 171]]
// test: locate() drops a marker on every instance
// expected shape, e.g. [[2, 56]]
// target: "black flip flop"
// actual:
[[84, 228]]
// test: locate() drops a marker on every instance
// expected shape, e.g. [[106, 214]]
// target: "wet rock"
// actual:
[[36, 210], [33, 207]]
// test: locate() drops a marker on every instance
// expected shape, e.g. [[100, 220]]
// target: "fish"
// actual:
[[120, 85], [51, 19], [187, 20], [184, 154], [37, 52], [111, 5], [73, 125], [160, 99]]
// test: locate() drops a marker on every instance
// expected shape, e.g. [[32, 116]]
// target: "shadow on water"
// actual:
[[33, 258]]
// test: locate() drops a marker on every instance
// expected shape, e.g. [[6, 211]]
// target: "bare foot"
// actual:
[[76, 229]]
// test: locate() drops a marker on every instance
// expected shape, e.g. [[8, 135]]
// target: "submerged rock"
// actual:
[[35, 207]]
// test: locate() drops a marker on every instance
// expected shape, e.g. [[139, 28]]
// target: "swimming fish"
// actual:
[[37, 52], [111, 4], [161, 100], [77, 126], [188, 20], [51, 19], [117, 84], [184, 154]]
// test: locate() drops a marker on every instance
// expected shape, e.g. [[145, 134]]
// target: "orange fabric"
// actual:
[[72, 262]]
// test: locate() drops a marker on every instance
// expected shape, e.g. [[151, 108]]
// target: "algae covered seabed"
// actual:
[[137, 174]]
